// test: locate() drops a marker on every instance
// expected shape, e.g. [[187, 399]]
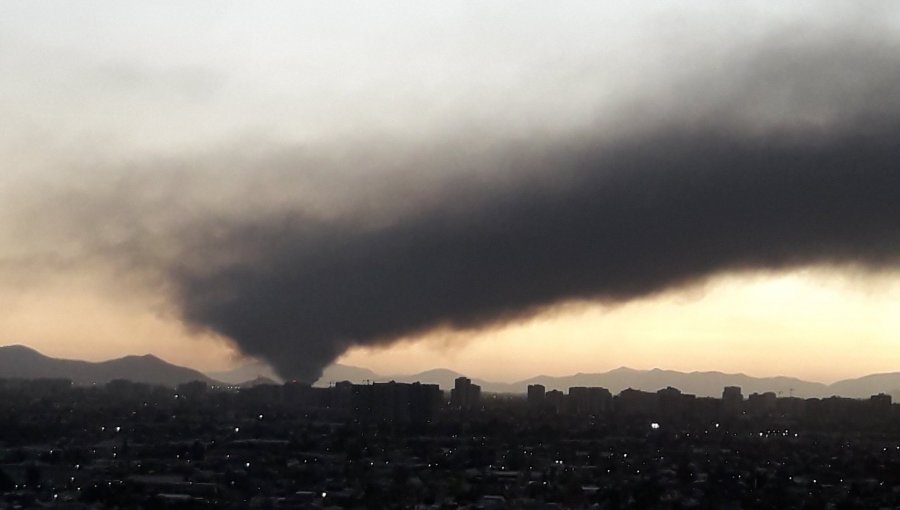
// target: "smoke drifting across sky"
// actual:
[[584, 219], [631, 220], [784, 154]]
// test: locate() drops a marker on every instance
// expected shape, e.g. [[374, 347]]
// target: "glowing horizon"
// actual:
[[734, 324]]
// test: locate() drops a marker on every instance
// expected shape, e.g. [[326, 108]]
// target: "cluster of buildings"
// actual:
[[677, 407], [580, 400], [465, 395], [126, 445]]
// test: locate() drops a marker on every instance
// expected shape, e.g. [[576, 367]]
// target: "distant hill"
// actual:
[[441, 376], [247, 372], [446, 379], [18, 361], [704, 384], [260, 369], [697, 383], [336, 373], [868, 385], [259, 381]]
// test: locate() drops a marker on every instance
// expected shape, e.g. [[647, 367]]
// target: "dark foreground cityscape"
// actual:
[[395, 445]]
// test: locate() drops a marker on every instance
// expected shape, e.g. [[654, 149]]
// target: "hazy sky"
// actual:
[[186, 177]]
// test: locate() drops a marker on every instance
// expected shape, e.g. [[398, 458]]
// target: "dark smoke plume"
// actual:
[[619, 222], [789, 157], [796, 162]]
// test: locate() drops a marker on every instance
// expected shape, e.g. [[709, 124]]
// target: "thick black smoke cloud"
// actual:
[[593, 221], [785, 156], [718, 149]]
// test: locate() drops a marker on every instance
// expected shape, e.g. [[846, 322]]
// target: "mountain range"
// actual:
[[20, 362], [17, 361], [698, 383], [704, 384]]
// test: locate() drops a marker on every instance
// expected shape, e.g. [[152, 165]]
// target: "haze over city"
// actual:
[[502, 190]]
